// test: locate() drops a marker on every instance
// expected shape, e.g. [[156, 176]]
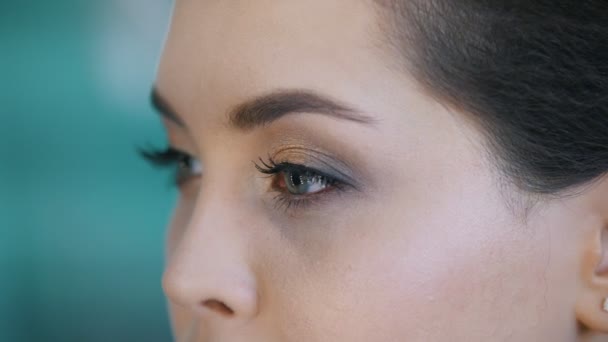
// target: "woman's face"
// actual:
[[333, 200]]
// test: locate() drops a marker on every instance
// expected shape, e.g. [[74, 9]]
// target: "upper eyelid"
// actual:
[[287, 166], [336, 168], [293, 167]]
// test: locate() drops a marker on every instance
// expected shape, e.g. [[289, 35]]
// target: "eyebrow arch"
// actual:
[[268, 108], [265, 109]]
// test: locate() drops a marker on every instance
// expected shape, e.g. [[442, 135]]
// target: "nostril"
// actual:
[[219, 307]]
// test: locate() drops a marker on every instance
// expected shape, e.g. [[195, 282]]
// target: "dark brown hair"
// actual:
[[532, 73]]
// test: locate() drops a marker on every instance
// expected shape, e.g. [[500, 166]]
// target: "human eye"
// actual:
[[298, 185], [185, 167]]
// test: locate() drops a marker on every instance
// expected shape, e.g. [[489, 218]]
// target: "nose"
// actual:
[[208, 271]]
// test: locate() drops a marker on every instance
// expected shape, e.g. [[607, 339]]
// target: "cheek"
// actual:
[[426, 273]]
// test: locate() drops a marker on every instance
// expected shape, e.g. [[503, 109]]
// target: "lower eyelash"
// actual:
[[287, 202], [290, 203]]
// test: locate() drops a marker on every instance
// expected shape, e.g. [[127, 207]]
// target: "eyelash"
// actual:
[[181, 162], [171, 158], [286, 200]]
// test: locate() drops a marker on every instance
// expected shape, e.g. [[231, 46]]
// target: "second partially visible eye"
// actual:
[[188, 167], [185, 166], [302, 182]]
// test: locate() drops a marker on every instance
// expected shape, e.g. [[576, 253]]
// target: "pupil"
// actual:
[[299, 183], [296, 179]]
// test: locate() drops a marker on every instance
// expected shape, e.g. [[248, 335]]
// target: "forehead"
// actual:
[[221, 52]]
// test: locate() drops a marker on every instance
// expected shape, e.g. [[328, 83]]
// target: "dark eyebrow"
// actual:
[[264, 110], [268, 108]]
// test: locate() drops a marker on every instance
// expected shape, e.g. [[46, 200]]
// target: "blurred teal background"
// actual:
[[81, 217]]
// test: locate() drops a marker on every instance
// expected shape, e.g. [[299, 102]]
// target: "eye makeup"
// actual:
[[303, 176], [317, 159]]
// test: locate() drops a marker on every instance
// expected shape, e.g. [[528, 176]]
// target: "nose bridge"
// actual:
[[209, 270]]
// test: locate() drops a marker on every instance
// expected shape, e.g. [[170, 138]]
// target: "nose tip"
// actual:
[[214, 294], [209, 270]]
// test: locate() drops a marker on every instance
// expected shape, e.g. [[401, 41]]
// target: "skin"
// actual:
[[430, 245]]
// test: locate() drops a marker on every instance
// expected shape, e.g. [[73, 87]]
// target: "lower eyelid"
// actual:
[[283, 199]]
